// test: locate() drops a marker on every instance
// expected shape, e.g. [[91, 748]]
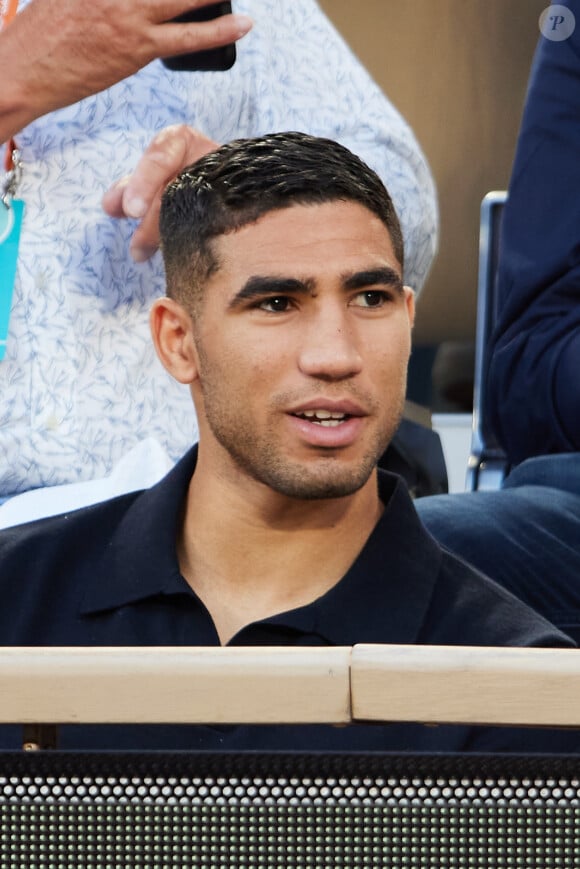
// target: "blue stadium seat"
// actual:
[[487, 463]]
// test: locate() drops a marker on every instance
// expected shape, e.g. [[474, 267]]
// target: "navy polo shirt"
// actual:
[[108, 575]]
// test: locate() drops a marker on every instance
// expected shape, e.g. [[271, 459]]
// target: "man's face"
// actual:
[[303, 340]]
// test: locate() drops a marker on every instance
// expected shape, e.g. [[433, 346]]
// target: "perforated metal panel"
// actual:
[[174, 811]]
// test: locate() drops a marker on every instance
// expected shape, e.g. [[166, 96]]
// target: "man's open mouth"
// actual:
[[325, 418]]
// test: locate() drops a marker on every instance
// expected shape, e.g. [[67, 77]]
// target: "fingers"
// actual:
[[182, 37], [165, 10], [145, 239], [112, 200], [170, 151], [96, 43], [139, 195]]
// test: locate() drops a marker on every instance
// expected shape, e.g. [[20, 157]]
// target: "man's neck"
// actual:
[[252, 554]]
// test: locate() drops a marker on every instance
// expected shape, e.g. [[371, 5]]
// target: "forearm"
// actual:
[[56, 52], [20, 101]]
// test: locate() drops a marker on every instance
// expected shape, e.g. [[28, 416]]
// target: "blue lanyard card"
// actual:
[[10, 226]]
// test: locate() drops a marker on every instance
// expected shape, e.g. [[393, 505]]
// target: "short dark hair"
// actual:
[[239, 182]]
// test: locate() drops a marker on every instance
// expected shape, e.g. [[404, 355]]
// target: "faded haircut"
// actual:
[[239, 182]]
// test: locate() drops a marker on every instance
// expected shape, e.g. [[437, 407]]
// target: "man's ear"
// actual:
[[172, 332], [410, 302]]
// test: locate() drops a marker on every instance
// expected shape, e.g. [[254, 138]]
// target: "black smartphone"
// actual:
[[212, 58]]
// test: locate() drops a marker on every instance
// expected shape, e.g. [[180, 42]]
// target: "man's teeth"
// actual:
[[324, 417]]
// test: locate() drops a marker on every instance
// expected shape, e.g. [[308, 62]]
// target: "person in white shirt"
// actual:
[[80, 386]]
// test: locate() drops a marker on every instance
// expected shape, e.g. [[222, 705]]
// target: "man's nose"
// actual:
[[330, 348]]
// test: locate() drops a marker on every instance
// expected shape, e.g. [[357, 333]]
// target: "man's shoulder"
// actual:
[[439, 598], [473, 609], [94, 540], [41, 547]]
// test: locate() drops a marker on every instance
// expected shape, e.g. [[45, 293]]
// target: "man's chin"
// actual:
[[307, 484]]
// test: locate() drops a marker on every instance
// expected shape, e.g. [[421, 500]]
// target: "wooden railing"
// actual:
[[430, 684]]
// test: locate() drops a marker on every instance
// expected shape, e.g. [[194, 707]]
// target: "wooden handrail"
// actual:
[[431, 684], [467, 685], [175, 685]]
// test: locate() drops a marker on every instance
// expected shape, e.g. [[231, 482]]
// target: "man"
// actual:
[[80, 386], [288, 320], [527, 534]]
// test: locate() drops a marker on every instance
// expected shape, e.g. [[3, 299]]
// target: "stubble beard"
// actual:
[[327, 475]]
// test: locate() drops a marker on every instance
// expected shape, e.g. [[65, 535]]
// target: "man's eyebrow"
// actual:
[[366, 278], [262, 286]]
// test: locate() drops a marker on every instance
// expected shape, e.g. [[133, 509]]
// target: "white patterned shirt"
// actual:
[[80, 384]]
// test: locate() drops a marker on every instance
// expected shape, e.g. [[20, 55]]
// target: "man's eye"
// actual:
[[371, 299], [275, 304]]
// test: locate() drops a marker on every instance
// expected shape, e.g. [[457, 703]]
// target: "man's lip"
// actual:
[[346, 406]]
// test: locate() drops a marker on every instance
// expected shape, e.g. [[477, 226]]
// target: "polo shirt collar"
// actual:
[[384, 596]]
